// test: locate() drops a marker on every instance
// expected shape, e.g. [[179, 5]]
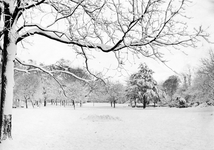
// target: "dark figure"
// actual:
[[144, 101], [114, 102], [45, 102], [26, 102], [73, 103]]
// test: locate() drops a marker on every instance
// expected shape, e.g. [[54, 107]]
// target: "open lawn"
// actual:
[[101, 127]]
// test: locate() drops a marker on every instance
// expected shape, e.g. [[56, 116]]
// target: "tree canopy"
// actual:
[[171, 85], [142, 83]]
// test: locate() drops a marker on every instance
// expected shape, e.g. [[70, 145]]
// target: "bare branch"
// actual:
[[65, 16], [29, 6], [50, 72], [59, 36], [87, 68]]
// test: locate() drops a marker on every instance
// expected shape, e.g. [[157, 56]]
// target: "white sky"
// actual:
[[46, 51]]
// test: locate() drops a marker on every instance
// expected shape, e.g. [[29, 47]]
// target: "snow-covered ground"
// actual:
[[101, 127]]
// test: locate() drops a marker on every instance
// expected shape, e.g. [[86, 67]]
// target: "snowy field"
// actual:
[[101, 127]]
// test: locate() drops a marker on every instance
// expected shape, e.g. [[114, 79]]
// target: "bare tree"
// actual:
[[115, 93], [140, 26], [202, 89]]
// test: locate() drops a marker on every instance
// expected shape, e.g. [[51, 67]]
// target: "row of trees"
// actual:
[[36, 86]]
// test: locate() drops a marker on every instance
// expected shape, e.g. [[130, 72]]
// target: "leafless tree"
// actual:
[[203, 84], [139, 26]]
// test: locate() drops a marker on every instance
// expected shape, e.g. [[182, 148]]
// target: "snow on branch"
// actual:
[[49, 72], [34, 66], [58, 36], [72, 74]]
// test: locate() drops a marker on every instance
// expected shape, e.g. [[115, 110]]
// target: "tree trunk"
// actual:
[[32, 102], [80, 103], [144, 101], [45, 102], [8, 57], [26, 102]]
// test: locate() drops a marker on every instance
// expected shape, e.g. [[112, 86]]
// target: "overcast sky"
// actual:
[[46, 51]]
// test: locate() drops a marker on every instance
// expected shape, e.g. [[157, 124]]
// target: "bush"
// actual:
[[173, 104]]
